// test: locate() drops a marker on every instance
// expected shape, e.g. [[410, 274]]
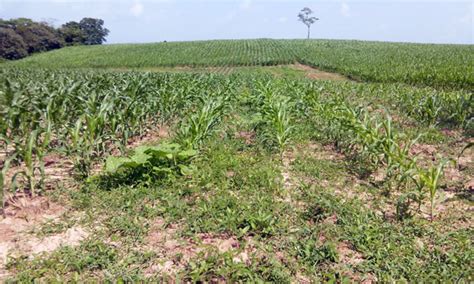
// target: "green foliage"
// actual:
[[428, 179], [3, 174], [275, 114], [213, 265], [305, 17], [355, 130], [394, 251], [278, 119], [153, 162], [91, 256], [12, 45], [392, 62], [316, 255], [93, 31], [36, 36], [22, 36], [199, 126], [72, 33]]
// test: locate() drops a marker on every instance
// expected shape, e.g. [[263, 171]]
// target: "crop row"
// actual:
[[360, 132], [440, 66], [87, 116]]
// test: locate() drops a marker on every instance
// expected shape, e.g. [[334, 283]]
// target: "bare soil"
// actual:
[[316, 74], [309, 72], [22, 215], [175, 252]]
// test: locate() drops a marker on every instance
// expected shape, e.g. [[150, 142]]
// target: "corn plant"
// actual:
[[439, 66], [277, 117], [200, 125], [396, 157], [428, 179], [275, 111], [33, 152], [458, 109]]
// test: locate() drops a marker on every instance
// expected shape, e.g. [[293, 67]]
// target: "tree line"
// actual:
[[22, 37]]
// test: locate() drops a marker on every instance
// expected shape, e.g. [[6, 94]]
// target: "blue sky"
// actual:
[[181, 20]]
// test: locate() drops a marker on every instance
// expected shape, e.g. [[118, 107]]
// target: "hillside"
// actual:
[[447, 66]]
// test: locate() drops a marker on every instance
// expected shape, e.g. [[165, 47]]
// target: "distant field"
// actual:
[[197, 53], [417, 64], [447, 66]]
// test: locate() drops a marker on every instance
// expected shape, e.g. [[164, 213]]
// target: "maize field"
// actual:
[[246, 176]]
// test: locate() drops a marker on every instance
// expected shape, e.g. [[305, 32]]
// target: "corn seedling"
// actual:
[[200, 125], [428, 179]]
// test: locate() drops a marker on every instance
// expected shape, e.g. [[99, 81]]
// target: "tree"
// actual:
[[12, 45], [94, 31], [39, 37], [305, 17], [23, 36], [36, 36], [72, 33]]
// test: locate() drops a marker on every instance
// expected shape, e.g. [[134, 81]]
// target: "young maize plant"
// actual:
[[432, 107], [32, 152], [429, 109], [200, 125], [459, 109], [278, 119], [275, 111], [395, 157], [428, 179], [381, 142], [42, 147], [368, 134]]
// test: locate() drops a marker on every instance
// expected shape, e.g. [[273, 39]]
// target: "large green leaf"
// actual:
[[165, 150], [186, 170], [140, 157], [186, 154], [154, 156], [114, 163]]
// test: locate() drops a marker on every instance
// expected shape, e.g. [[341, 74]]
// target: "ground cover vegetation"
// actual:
[[247, 176]]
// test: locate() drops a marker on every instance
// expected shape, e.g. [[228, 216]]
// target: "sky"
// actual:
[[136, 21]]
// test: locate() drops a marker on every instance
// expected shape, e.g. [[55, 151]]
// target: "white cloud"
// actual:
[[283, 19], [136, 9], [245, 4], [345, 10]]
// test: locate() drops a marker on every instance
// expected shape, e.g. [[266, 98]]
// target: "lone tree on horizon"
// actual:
[[305, 17]]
